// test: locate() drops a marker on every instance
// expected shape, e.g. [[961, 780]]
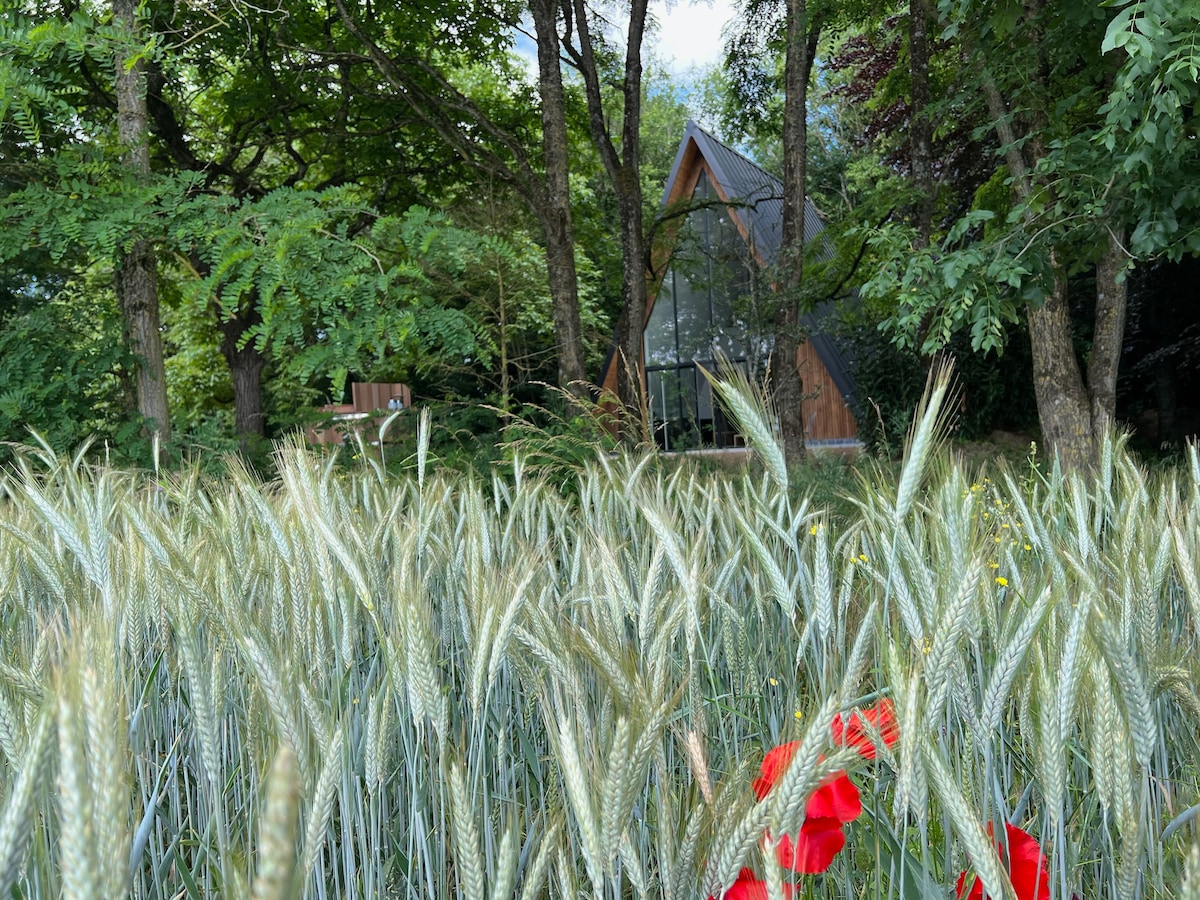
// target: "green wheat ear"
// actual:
[[277, 831], [752, 410], [929, 429], [15, 835]]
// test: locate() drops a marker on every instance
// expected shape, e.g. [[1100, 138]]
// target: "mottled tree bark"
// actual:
[[632, 318], [246, 366], [136, 280], [555, 212], [920, 127], [1108, 336], [246, 362], [1064, 406], [788, 391]]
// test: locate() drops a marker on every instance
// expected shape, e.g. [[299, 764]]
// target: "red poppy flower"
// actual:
[[836, 798], [831, 806], [811, 851], [774, 764], [881, 717], [747, 887], [1026, 868]]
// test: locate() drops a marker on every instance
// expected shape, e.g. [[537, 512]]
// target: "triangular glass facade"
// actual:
[[694, 317]]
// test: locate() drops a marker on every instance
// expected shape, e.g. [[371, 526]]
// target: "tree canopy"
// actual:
[[320, 193]]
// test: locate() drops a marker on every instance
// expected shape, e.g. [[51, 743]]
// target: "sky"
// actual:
[[689, 33]]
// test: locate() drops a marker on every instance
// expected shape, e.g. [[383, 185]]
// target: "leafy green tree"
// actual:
[[52, 55], [238, 108], [274, 123], [1150, 122], [1079, 179], [66, 373], [510, 130]]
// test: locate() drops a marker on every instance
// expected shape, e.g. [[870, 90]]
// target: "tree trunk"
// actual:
[[788, 390], [465, 127], [246, 366], [555, 213], [630, 385], [1063, 407], [136, 275], [920, 128], [1108, 336], [920, 154], [623, 170]]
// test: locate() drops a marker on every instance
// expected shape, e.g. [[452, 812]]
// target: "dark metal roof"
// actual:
[[760, 198], [747, 183]]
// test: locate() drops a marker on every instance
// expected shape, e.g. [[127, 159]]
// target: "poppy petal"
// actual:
[[811, 851], [839, 730], [837, 798], [747, 887], [853, 732], [774, 764], [1026, 867], [882, 717], [976, 892]]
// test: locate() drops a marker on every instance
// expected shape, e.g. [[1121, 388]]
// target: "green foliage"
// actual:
[[82, 205], [1150, 121], [62, 373], [1014, 233], [324, 281], [330, 284], [995, 389], [41, 62], [978, 287], [326, 278]]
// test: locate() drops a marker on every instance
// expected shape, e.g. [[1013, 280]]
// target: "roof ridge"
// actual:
[[696, 126]]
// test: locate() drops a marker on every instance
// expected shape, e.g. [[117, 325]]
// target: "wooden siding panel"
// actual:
[[826, 416], [373, 396], [365, 414]]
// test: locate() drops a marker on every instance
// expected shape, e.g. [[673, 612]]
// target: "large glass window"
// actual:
[[695, 316]]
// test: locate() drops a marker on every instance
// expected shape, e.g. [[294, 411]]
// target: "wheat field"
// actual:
[[343, 683]]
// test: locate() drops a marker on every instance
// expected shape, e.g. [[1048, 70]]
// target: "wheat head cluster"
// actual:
[[341, 682]]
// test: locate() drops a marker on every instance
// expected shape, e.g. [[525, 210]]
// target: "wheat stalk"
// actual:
[[277, 830], [15, 833]]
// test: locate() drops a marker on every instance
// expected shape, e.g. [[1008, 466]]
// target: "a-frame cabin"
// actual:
[[700, 302]]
